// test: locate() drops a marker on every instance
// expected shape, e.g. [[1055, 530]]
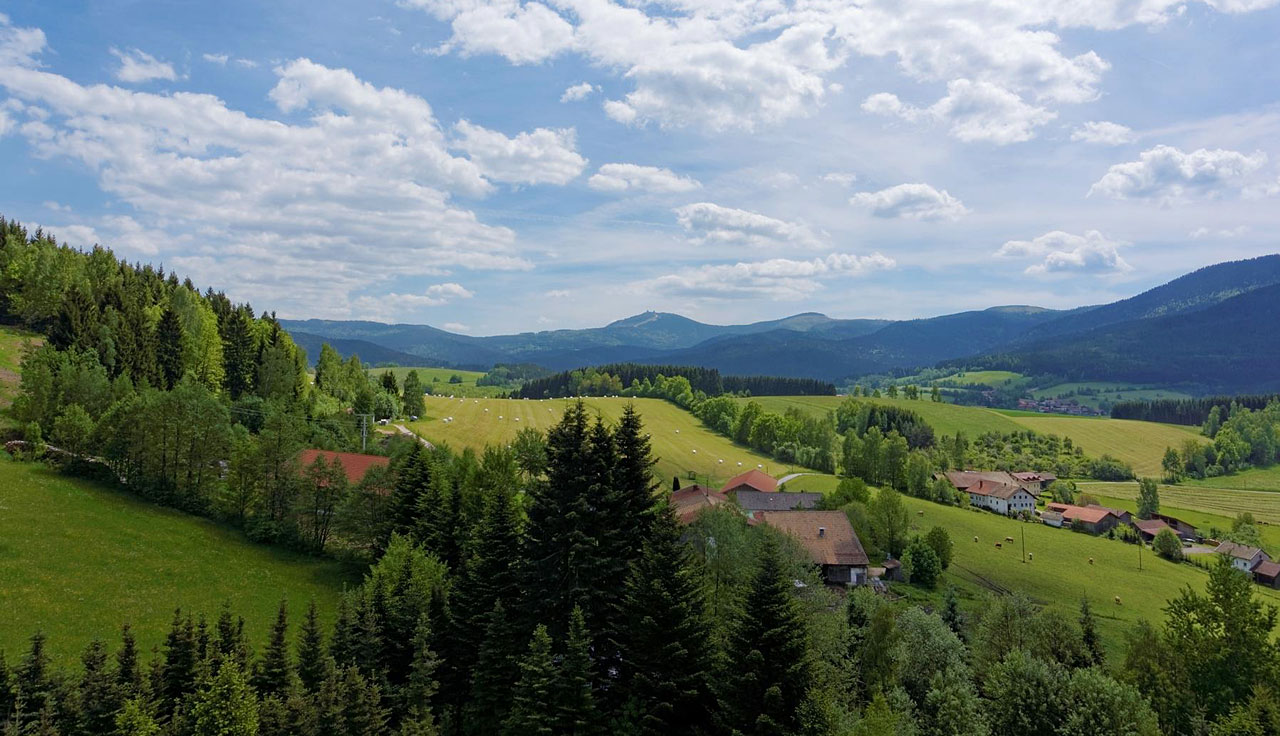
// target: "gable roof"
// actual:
[[1086, 514], [354, 464], [1151, 526], [689, 502], [1035, 477], [1240, 551], [777, 501], [1268, 569], [754, 478], [827, 535], [996, 489]]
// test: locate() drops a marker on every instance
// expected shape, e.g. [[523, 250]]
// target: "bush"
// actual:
[[1167, 545], [920, 564], [940, 542]]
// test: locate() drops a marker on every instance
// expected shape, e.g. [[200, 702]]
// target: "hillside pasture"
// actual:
[[994, 379], [944, 418], [13, 342], [1095, 393], [1254, 479], [674, 433], [1201, 520], [1225, 502], [436, 380], [1141, 444], [78, 560]]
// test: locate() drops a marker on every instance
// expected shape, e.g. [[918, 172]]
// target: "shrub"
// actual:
[[1167, 545]]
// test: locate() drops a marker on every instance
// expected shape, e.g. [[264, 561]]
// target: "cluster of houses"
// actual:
[[1000, 491]]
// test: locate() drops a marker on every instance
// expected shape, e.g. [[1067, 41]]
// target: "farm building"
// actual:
[[354, 464], [1179, 527], [1093, 519], [1243, 557], [830, 540], [1149, 528], [689, 502], [996, 491], [1034, 482], [1052, 518], [1124, 516], [1267, 573], [752, 480], [752, 501]]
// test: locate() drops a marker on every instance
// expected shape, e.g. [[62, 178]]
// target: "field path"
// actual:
[[405, 430]]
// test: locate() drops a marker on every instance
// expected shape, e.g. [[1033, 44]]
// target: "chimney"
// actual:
[[822, 532]]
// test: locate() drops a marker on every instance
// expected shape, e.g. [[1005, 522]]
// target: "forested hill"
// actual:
[[1232, 347]]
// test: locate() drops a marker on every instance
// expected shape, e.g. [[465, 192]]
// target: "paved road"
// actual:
[[405, 430], [793, 476]]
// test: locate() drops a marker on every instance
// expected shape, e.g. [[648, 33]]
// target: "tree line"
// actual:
[[613, 379], [1241, 438], [1189, 412]]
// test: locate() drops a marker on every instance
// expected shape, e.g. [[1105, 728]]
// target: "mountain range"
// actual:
[[1215, 328]]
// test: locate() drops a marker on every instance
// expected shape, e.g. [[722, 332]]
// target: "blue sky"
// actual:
[[493, 166]]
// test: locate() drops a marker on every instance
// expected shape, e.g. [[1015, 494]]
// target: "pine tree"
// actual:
[[178, 669], [576, 713], [311, 664], [274, 673], [413, 480], [951, 614], [169, 348], [128, 669], [239, 350], [497, 669], [229, 640], [533, 707], [33, 682], [225, 705], [362, 711], [420, 689], [343, 647], [767, 673], [99, 691], [1089, 635]]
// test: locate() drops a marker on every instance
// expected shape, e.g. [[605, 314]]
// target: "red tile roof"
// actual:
[[1086, 515], [1150, 526], [689, 502], [754, 479], [997, 489], [827, 535], [353, 464]]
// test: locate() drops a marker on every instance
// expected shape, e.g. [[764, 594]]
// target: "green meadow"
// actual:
[[12, 343], [436, 380], [1225, 502], [78, 560]]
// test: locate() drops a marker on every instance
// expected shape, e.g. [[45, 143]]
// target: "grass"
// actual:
[[1225, 502], [675, 433], [1141, 444], [1254, 479], [436, 380], [994, 379], [13, 341], [1103, 391], [1201, 520], [78, 560], [944, 418]]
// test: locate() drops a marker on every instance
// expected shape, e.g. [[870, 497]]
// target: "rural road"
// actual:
[[792, 477], [405, 430]]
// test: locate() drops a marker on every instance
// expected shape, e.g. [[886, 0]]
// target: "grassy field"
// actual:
[[77, 561], [944, 418], [436, 380], [675, 433], [1141, 444], [1102, 391], [1256, 479], [1226, 502], [1201, 520], [12, 342], [995, 379]]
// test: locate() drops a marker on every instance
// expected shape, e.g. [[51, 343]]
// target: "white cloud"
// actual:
[[123, 234], [776, 278], [631, 177], [387, 306], [558, 293], [1106, 133], [844, 179], [302, 215], [577, 92], [711, 223], [973, 111], [138, 66], [1166, 173], [544, 156], [911, 202], [19, 46], [456, 327], [219, 59], [247, 63], [1062, 252], [1221, 233], [524, 33]]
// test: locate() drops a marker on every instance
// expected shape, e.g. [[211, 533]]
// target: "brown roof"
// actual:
[[827, 535], [777, 501], [689, 502], [1040, 477], [1240, 551], [997, 489], [353, 464], [753, 478], [1150, 526], [1267, 569], [1086, 514], [965, 479]]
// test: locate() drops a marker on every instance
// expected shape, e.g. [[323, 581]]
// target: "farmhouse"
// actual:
[[354, 464], [829, 539], [1149, 528], [1093, 519], [752, 480], [1267, 573], [1243, 557], [1034, 482], [689, 502], [752, 501], [996, 491], [1124, 516], [1179, 527]]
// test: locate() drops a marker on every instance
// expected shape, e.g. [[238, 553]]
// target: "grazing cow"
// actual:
[[975, 540], [998, 546], [1117, 600], [1031, 556], [1008, 539], [1090, 560]]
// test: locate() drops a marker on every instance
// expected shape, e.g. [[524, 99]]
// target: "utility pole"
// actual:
[[1140, 546], [364, 430], [1024, 544]]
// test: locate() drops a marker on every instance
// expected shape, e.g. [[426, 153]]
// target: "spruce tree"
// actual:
[[951, 614], [343, 646], [413, 480], [169, 348], [7, 692], [363, 713], [33, 683], [274, 672], [128, 669], [667, 655], [178, 669], [420, 689], [225, 705], [229, 640], [311, 665], [239, 350], [576, 713], [1089, 635], [533, 706], [497, 669], [99, 691], [767, 670]]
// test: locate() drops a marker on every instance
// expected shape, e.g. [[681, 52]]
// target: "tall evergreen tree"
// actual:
[[311, 655], [533, 702], [7, 690], [33, 683], [225, 705], [413, 481], [1089, 635], [169, 343], [178, 668], [418, 692], [667, 657], [343, 647], [274, 672], [768, 672], [128, 668], [576, 712], [363, 713], [497, 669], [239, 351], [99, 691]]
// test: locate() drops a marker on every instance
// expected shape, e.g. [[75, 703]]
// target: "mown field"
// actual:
[[1100, 391], [436, 380], [12, 342], [78, 560], [980, 378], [1255, 479], [1201, 520], [1141, 444], [1060, 573], [1226, 502], [675, 433]]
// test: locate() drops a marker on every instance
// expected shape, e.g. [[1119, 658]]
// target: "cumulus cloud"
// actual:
[[1062, 252], [972, 111], [577, 92], [558, 293], [911, 202], [219, 59], [523, 33], [121, 233], [1166, 173], [1106, 133], [139, 66], [456, 327], [776, 278], [19, 46], [543, 156], [632, 177], [711, 223], [356, 191], [842, 178]]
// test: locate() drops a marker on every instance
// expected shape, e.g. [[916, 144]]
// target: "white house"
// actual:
[[994, 490], [1243, 557]]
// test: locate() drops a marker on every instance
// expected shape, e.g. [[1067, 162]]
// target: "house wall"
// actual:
[[846, 574]]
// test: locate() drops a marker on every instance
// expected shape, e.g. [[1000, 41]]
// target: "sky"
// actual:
[[496, 166]]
